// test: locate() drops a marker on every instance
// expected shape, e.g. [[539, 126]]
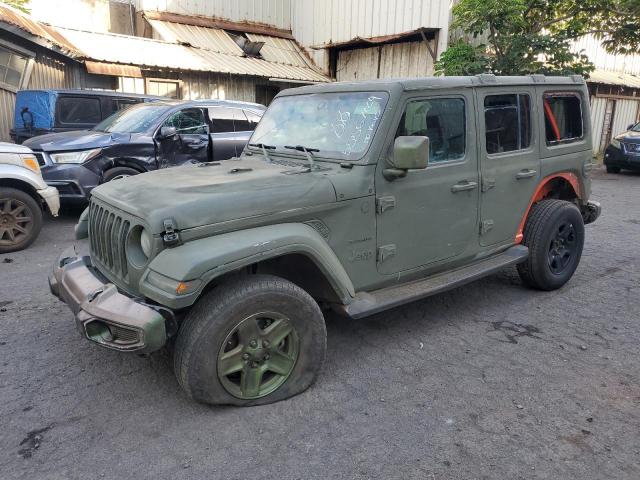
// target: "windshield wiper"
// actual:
[[264, 148], [307, 152]]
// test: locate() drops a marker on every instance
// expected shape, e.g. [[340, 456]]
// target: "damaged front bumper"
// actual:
[[590, 211], [104, 315]]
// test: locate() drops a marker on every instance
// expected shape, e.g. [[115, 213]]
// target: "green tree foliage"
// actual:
[[534, 36], [22, 5]]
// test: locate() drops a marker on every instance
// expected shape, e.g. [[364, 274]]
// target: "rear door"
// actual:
[[509, 159], [230, 131]]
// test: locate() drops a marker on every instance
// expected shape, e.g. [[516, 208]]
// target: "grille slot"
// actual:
[[107, 238], [124, 335], [632, 147]]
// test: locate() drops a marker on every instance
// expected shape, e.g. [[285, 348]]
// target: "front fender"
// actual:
[[205, 259], [22, 174]]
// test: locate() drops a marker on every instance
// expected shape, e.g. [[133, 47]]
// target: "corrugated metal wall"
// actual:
[[411, 59], [210, 85], [318, 22], [592, 47], [626, 114], [272, 12], [598, 106], [7, 105]]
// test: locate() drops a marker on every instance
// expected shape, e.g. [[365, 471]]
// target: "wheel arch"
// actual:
[[561, 186], [23, 186], [293, 251]]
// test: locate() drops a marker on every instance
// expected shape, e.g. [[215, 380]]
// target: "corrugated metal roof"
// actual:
[[21, 21], [614, 78], [214, 39], [145, 52], [281, 50]]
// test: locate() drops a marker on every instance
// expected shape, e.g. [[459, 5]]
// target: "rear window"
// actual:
[[563, 118], [79, 110], [507, 121]]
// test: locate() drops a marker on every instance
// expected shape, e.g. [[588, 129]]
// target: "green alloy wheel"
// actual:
[[258, 355]]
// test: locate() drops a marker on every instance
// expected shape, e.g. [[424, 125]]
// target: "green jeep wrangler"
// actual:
[[357, 197]]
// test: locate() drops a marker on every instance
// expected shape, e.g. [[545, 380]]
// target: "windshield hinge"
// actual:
[[170, 236]]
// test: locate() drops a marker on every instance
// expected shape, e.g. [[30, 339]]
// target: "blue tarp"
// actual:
[[40, 103]]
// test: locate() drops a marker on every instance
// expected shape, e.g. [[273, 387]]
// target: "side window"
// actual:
[[562, 117], [229, 120], [79, 110], [188, 121], [440, 119], [119, 104], [507, 120]]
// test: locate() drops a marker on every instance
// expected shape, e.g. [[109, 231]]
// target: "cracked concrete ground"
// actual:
[[491, 380]]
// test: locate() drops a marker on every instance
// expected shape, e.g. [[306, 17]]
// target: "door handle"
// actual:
[[196, 144], [526, 174], [464, 185]]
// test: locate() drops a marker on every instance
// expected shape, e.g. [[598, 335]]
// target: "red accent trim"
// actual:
[[552, 119], [542, 190]]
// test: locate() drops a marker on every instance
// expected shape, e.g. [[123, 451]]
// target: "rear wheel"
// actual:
[[20, 220], [554, 233], [253, 341], [612, 169], [118, 173]]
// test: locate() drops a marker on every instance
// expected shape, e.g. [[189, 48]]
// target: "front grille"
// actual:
[[107, 238], [632, 147]]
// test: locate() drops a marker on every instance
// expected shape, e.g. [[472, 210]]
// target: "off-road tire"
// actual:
[[35, 211], [218, 313], [612, 169], [540, 230], [118, 172]]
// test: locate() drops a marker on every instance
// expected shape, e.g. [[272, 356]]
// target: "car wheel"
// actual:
[[554, 234], [118, 173], [255, 340], [20, 220], [612, 169]]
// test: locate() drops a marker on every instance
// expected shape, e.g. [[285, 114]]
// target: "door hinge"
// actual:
[[488, 184], [170, 237], [485, 226], [385, 252], [385, 203]]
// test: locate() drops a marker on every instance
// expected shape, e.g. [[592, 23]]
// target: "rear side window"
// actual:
[[440, 119], [225, 119], [79, 110], [507, 119], [562, 117]]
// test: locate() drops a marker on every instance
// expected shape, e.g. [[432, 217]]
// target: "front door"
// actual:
[[190, 142], [510, 164], [431, 215]]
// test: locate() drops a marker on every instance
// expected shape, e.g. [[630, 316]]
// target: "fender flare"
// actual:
[[208, 258], [542, 190], [15, 172]]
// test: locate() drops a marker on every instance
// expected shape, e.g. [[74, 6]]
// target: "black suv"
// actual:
[[624, 151], [144, 137]]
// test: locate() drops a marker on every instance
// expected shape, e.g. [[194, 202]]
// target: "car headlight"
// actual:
[[146, 242], [30, 162], [616, 143], [74, 157]]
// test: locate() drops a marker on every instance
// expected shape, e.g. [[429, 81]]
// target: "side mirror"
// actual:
[[409, 153], [631, 126], [167, 132]]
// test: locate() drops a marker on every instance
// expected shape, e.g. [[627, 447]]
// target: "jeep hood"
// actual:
[[198, 195]]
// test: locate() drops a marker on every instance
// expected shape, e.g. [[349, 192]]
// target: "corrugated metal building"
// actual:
[[615, 91], [186, 57]]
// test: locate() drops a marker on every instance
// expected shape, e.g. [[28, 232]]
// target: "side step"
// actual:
[[368, 303]]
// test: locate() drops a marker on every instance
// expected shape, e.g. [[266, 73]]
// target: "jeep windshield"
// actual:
[[135, 119], [339, 125]]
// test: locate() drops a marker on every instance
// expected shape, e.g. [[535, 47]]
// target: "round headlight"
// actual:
[[146, 242]]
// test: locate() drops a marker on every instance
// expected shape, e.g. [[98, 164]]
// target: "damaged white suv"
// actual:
[[23, 195]]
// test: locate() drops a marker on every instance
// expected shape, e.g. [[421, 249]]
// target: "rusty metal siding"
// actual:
[[271, 12], [197, 86], [7, 105], [626, 114], [320, 22], [410, 59], [592, 47]]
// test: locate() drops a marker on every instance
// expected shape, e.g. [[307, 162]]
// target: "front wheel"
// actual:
[[253, 341], [554, 233], [20, 220], [118, 173]]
